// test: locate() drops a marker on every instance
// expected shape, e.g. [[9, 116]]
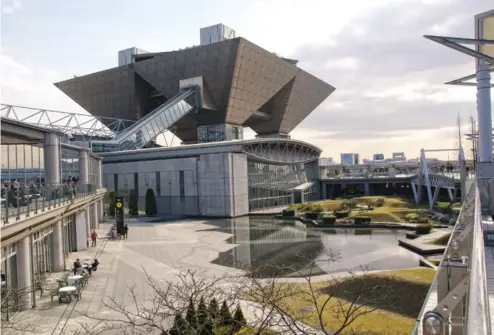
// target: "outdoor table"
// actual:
[[66, 292], [72, 279]]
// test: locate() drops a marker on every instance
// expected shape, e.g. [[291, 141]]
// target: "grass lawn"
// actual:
[[443, 240], [408, 291]]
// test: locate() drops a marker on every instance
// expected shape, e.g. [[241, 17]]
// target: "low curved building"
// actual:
[[221, 179]]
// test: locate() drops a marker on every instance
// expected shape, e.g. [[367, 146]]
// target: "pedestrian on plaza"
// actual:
[[126, 231], [77, 265], [94, 236]]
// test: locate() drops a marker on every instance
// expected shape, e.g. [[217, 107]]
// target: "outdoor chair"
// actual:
[[53, 293], [78, 292]]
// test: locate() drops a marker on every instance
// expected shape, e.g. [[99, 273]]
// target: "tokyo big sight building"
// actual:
[[206, 95]]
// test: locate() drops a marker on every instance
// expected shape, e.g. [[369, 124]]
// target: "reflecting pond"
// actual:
[[275, 244]]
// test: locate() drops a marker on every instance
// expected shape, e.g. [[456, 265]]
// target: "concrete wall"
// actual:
[[213, 184]]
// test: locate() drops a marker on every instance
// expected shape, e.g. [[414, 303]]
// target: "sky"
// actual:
[[389, 96]]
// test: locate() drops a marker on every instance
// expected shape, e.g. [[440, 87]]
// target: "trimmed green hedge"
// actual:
[[362, 220], [330, 219], [289, 213], [341, 214], [423, 229]]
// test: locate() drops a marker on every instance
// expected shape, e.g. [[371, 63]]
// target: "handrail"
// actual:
[[478, 314], [460, 280]]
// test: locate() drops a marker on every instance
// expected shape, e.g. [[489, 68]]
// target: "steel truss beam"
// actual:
[[74, 126]]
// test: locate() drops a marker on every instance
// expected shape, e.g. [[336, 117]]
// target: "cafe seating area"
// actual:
[[70, 286]]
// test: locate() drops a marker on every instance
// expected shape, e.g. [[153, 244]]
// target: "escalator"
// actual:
[[153, 124]]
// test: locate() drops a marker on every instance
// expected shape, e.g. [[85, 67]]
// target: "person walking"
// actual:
[[126, 231], [94, 236]]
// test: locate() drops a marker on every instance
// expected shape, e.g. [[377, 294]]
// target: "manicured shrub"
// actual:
[[239, 320], [315, 208], [289, 213], [133, 207], [423, 216], [423, 229], [342, 214], [329, 219], [111, 204], [202, 313], [214, 309], [191, 316], [362, 220], [150, 202], [225, 315], [379, 202], [179, 326], [207, 328]]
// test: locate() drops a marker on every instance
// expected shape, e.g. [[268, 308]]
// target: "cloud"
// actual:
[[389, 79], [12, 6]]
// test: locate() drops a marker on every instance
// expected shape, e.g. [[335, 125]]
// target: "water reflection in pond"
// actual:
[[274, 243]]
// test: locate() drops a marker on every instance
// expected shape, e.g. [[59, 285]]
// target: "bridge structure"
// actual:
[[417, 178]]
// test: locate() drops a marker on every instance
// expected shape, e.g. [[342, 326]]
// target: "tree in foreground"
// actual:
[[270, 302], [12, 322]]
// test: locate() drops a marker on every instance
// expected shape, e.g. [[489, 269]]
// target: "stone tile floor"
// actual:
[[160, 249]]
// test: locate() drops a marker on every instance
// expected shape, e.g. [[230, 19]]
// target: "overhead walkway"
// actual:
[[158, 121]]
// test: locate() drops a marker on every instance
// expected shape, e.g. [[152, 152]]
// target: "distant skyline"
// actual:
[[389, 80]]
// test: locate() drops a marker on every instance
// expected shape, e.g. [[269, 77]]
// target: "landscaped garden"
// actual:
[[390, 310], [373, 209]]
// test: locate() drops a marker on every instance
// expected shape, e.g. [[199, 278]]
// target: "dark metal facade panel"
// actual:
[[214, 62], [258, 75], [108, 93], [240, 78], [308, 92]]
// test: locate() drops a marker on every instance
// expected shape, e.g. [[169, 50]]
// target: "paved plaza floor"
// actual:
[[162, 249]]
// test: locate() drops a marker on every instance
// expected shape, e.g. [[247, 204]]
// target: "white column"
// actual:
[[52, 159], [484, 112], [100, 174], [83, 167], [81, 231], [101, 212], [24, 278], [89, 226], [58, 255]]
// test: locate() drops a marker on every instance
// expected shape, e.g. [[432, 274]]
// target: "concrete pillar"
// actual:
[[100, 174], [52, 159], [57, 247], [484, 116], [89, 225], [366, 189], [101, 212], [81, 230], [24, 277], [324, 191], [83, 167]]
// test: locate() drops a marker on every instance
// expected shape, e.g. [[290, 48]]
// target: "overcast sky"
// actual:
[[389, 79]]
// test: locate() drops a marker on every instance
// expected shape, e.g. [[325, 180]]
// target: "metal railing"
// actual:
[[21, 201], [457, 302]]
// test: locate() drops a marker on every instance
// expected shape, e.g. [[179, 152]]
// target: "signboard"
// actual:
[[484, 29], [119, 214]]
